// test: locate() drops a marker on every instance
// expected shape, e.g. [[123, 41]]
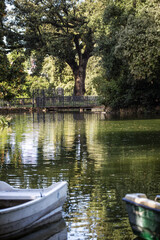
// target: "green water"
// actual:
[[101, 159]]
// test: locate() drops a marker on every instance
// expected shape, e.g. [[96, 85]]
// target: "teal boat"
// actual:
[[144, 215]]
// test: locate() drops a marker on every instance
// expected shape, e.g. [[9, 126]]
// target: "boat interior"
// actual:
[[11, 203], [10, 196]]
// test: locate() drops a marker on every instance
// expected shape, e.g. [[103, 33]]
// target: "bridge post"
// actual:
[[33, 99]]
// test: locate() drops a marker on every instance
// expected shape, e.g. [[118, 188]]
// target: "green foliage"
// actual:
[[2, 14], [16, 75], [54, 73], [61, 29], [5, 85], [93, 70], [4, 64], [36, 83], [58, 74], [5, 120], [12, 75], [130, 49], [139, 42]]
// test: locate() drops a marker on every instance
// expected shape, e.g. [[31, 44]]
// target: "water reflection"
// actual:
[[52, 231], [101, 160]]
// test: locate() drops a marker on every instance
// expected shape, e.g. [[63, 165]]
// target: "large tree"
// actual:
[[58, 28], [130, 51]]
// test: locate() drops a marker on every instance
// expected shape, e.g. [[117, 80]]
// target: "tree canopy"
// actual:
[[11, 75], [130, 48], [62, 29], [117, 42]]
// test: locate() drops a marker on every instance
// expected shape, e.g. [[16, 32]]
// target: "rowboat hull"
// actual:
[[19, 219], [144, 216]]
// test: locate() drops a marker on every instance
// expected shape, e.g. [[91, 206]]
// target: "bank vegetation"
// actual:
[[92, 47]]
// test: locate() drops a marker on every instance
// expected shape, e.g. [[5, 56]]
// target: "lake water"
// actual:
[[101, 159]]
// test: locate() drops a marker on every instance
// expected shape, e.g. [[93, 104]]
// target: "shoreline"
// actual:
[[97, 109]]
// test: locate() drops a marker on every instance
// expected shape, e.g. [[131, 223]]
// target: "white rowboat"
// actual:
[[24, 209]]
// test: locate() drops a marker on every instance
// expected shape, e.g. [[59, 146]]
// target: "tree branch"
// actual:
[[76, 41]]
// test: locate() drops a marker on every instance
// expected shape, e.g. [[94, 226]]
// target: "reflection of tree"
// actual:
[[119, 159], [63, 154], [4, 136], [11, 140], [87, 184], [101, 161], [78, 116]]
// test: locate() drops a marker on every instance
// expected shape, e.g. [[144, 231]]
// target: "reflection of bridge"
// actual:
[[84, 103]]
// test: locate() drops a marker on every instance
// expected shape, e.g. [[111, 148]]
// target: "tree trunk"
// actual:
[[79, 75], [79, 69]]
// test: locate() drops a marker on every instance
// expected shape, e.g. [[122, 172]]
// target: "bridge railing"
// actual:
[[67, 101], [55, 101], [16, 102]]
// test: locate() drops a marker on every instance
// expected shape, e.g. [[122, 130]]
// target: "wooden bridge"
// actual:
[[55, 103]]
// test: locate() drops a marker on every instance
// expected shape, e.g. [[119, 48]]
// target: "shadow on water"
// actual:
[[137, 238], [51, 231]]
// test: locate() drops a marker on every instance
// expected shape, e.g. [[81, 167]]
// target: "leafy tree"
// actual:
[[62, 29], [139, 42], [11, 74], [58, 74], [2, 14], [130, 51], [93, 70], [53, 74], [4, 67], [3, 58], [4, 63]]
